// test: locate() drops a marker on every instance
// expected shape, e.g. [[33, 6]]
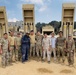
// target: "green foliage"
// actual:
[[39, 26], [55, 24]]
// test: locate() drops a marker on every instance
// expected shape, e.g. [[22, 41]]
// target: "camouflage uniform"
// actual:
[[5, 55], [18, 50], [60, 45], [70, 53], [39, 44], [46, 48]]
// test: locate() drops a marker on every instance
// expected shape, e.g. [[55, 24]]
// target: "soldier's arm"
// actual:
[[8, 45], [36, 38], [64, 42], [50, 43], [15, 42], [9, 39], [56, 42], [29, 41], [73, 45], [42, 44], [1, 46], [0, 49]]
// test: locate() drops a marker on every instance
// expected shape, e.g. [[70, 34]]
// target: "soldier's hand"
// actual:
[[0, 51], [42, 49], [49, 49], [16, 48], [56, 49], [71, 50], [10, 49]]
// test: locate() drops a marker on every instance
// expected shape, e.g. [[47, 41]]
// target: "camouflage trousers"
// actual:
[[12, 54], [18, 54], [39, 50], [32, 50], [70, 57], [5, 58], [60, 50]]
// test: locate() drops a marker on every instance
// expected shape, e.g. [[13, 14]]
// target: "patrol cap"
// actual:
[[69, 35]]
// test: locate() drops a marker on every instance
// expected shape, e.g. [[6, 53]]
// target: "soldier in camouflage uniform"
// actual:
[[18, 47], [46, 45], [4, 50], [60, 45], [39, 38], [70, 50]]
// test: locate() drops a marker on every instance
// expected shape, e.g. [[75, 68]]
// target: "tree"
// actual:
[[39, 26], [55, 24]]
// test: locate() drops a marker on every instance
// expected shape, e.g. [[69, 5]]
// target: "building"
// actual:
[[28, 17], [67, 26], [14, 25], [3, 21], [47, 29]]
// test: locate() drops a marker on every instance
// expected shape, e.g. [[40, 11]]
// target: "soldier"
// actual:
[[32, 43], [18, 47], [12, 46], [46, 47], [60, 45], [4, 50], [70, 51], [39, 38]]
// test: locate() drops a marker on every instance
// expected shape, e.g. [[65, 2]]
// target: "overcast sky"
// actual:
[[45, 10]]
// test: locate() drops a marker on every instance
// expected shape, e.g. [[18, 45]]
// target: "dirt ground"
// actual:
[[34, 67]]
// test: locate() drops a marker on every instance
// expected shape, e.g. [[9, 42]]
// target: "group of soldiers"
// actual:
[[10, 48], [22, 48]]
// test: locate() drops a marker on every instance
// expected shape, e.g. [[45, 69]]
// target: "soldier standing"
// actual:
[[46, 47], [12, 46], [32, 43], [25, 46], [60, 45], [18, 47], [4, 50], [70, 51], [39, 38]]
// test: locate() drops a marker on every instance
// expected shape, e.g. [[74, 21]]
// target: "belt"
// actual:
[[19, 45], [12, 45]]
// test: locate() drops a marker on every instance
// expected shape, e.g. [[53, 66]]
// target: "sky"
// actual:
[[45, 10]]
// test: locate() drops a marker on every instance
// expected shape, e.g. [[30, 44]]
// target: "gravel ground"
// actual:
[[34, 67]]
